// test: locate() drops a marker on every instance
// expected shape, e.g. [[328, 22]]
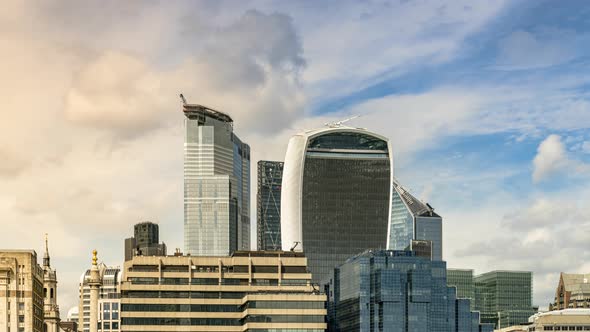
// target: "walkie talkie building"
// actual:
[[335, 197]]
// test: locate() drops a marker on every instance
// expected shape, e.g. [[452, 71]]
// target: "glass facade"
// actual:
[[412, 219], [345, 198], [270, 177], [504, 298], [216, 184], [462, 280], [390, 290]]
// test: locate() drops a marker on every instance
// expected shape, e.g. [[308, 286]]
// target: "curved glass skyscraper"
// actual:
[[336, 195], [216, 184]]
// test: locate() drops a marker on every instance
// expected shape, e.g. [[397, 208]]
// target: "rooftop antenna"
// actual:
[[183, 99], [294, 246], [337, 124]]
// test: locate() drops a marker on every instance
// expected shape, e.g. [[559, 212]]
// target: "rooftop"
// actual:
[[417, 207], [196, 109]]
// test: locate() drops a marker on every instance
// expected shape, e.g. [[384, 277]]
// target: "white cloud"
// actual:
[[544, 48], [551, 158]]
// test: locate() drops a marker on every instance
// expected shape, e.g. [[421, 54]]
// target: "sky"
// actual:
[[486, 103]]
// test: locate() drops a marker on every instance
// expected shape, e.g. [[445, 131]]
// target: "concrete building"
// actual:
[[145, 241], [51, 318], [268, 204], [248, 291], [573, 291], [462, 280], [21, 291], [216, 184], [388, 290], [504, 298], [577, 319], [107, 303], [335, 197]]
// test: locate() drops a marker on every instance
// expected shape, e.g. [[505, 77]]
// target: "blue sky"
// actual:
[[487, 105]]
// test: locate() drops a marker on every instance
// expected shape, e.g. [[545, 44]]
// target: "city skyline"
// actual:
[[488, 116]]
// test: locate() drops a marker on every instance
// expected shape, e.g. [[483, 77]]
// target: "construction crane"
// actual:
[[337, 124]]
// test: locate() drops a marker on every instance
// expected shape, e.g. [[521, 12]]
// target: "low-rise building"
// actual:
[[577, 319], [573, 291], [21, 291], [256, 291]]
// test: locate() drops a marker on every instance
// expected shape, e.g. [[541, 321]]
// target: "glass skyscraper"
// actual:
[[463, 281], [216, 184], [336, 195], [411, 219], [504, 298], [268, 205], [387, 290]]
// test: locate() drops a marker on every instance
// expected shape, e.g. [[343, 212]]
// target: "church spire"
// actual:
[[46, 256]]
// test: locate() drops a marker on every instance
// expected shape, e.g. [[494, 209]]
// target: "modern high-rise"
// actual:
[[389, 290], [504, 298], [573, 291], [268, 204], [109, 294], [21, 291], [412, 219], [145, 241], [249, 291], [462, 280], [335, 197], [216, 184]]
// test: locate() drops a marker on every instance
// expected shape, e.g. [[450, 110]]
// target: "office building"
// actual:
[[412, 219], [388, 290], [21, 291], [108, 292], [504, 298], [145, 241], [216, 184], [268, 204], [256, 291], [462, 280], [335, 197], [573, 319], [573, 291], [51, 318]]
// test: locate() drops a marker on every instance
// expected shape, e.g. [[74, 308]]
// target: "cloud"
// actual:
[[545, 47], [552, 158]]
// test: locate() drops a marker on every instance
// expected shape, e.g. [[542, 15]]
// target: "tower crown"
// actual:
[[46, 259]]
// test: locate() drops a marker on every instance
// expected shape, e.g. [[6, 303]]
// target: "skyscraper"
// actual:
[[412, 219], [387, 290], [504, 298], [144, 241], [216, 184], [268, 205], [463, 281], [335, 196]]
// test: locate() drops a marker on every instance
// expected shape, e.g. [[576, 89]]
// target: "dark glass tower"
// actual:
[[268, 205], [145, 241], [335, 199]]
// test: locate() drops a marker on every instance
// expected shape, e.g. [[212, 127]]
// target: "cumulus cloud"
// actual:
[[552, 158]]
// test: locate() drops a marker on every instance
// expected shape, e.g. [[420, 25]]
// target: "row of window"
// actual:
[[182, 295], [215, 268], [222, 321], [563, 328], [222, 308]]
